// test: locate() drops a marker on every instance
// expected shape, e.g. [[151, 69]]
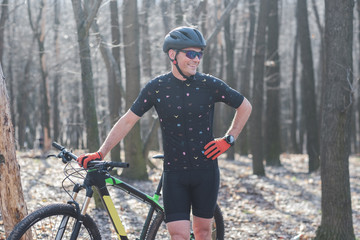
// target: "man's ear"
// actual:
[[172, 55]]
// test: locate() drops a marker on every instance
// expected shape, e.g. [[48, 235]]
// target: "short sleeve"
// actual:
[[224, 93], [144, 101]]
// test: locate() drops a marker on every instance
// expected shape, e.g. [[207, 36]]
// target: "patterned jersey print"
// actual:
[[186, 112]]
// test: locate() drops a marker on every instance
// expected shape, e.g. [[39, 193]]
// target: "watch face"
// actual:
[[230, 139]]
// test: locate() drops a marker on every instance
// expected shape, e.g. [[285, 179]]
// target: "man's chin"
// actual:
[[192, 72]]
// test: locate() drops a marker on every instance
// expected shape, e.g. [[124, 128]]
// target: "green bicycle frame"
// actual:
[[101, 181]]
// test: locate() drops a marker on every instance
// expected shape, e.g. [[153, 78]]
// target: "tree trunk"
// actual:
[[272, 127], [308, 87], [116, 83], [358, 65], [166, 20], [133, 143], [165, 9], [230, 78], [3, 19], [13, 206], [146, 39], [115, 91], [256, 134], [205, 63], [294, 106], [152, 142], [39, 33], [83, 23], [57, 80], [245, 74], [178, 13], [23, 101], [336, 218], [11, 56], [321, 67]]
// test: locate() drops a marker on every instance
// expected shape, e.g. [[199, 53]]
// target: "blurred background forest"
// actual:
[[51, 101], [73, 68]]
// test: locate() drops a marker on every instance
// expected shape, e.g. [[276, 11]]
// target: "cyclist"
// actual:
[[184, 100]]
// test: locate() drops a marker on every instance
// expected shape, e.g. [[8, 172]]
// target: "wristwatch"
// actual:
[[230, 139]]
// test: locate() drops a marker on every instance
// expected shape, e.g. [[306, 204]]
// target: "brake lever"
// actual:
[[67, 157], [60, 155], [64, 159]]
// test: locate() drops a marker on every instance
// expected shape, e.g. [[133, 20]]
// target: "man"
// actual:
[[184, 100]]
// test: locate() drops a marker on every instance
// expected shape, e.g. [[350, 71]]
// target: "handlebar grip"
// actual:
[[57, 146], [120, 164], [93, 163]]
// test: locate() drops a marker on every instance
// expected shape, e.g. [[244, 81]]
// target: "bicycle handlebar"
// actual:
[[67, 156], [64, 151]]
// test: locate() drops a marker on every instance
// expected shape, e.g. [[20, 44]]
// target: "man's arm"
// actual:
[[219, 145], [241, 117], [119, 131]]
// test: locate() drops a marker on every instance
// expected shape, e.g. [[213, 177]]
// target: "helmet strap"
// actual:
[[174, 61]]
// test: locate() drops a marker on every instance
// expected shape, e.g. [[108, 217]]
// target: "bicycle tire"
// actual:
[[43, 224], [218, 231], [219, 224], [154, 227]]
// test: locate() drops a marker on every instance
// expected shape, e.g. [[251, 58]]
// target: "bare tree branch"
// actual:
[[221, 21]]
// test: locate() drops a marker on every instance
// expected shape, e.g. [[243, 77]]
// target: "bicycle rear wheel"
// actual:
[[218, 228], [154, 227], [55, 221]]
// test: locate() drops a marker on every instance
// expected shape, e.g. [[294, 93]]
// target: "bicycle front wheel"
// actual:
[[55, 221]]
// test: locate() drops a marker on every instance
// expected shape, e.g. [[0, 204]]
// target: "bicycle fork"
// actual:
[[81, 214], [110, 208]]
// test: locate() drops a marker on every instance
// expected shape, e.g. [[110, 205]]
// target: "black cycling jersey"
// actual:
[[186, 111]]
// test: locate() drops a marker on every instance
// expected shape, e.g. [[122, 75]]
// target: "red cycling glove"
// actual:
[[215, 148], [85, 158]]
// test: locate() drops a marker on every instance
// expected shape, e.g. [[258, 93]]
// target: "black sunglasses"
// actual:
[[192, 54]]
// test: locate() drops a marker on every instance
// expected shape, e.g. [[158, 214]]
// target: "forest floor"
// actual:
[[286, 204]]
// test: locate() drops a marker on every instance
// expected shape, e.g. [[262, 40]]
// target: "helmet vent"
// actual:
[[174, 36], [186, 34], [199, 35]]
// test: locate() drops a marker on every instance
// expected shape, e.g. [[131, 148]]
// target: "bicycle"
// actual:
[[70, 221]]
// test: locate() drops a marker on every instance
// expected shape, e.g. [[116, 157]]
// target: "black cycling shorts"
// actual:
[[195, 189]]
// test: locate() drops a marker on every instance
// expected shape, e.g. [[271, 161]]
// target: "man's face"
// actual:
[[188, 66]]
